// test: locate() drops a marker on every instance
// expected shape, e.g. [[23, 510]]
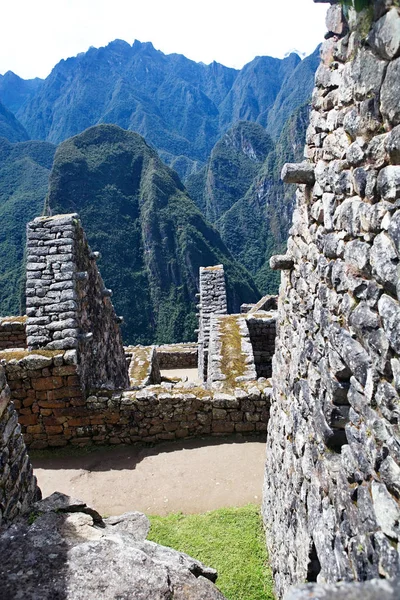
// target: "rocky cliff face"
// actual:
[[331, 494], [233, 164], [151, 236]]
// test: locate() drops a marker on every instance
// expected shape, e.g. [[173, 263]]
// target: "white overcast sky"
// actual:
[[36, 34]]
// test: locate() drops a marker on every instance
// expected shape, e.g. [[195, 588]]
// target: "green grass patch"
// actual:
[[230, 540]]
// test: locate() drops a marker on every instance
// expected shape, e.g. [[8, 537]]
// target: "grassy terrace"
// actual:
[[230, 540]]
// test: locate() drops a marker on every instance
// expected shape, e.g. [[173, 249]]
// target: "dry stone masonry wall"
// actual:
[[18, 487], [53, 411], [12, 332], [212, 301], [68, 305], [262, 334], [332, 486], [177, 356]]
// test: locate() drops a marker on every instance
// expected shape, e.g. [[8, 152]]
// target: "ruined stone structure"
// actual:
[[71, 386], [332, 484], [212, 301], [18, 487], [67, 304]]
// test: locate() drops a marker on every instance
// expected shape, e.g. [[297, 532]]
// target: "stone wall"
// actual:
[[212, 301], [18, 487], [177, 356], [67, 303], [53, 412], [12, 332], [47, 395], [332, 485], [262, 332]]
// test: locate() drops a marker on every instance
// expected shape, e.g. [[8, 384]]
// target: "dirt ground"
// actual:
[[191, 374], [192, 476]]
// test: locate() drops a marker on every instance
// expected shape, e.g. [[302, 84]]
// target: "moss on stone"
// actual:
[[140, 363], [233, 360], [19, 354], [13, 319]]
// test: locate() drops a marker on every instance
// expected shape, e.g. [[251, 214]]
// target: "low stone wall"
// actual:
[[158, 414], [262, 331], [12, 332], [18, 486], [230, 358], [46, 391], [54, 412], [177, 356]]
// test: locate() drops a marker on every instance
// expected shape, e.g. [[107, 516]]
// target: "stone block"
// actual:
[[390, 94], [298, 173], [384, 36]]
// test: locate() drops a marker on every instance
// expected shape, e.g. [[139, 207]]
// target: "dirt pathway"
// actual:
[[191, 476]]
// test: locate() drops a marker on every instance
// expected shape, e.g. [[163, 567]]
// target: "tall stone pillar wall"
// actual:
[[332, 484], [18, 486], [68, 306], [212, 302]]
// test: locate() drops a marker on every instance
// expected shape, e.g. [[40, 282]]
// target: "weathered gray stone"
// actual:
[[390, 93], [389, 183], [281, 262], [298, 173], [362, 77], [387, 510], [389, 310], [355, 154], [335, 21], [357, 255], [376, 589], [384, 261], [392, 145], [384, 36], [65, 554]]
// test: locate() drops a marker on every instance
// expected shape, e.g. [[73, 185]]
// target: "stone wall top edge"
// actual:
[[55, 218]]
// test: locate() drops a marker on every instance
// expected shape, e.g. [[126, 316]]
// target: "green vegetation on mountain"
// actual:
[[181, 107], [294, 92], [255, 88], [24, 175], [257, 225], [214, 125], [152, 237], [15, 91], [10, 128], [234, 162]]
